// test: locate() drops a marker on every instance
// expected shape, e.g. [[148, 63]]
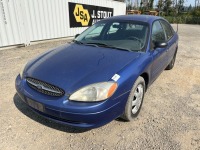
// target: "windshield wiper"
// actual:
[[77, 42], [108, 46], [119, 48], [97, 44]]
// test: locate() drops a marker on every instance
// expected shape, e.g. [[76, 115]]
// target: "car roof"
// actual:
[[142, 18]]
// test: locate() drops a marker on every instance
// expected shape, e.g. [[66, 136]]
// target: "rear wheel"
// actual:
[[135, 100]]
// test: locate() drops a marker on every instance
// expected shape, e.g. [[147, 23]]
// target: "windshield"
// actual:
[[123, 35]]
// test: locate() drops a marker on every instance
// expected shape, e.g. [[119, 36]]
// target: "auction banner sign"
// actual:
[[81, 15]]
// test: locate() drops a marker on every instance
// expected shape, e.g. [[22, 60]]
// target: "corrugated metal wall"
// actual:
[[11, 30], [24, 21]]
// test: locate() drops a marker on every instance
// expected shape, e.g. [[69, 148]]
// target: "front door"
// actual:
[[158, 54]]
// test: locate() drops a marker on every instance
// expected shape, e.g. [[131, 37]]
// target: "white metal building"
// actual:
[[25, 21]]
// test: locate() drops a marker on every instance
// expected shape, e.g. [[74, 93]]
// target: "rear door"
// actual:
[[171, 40], [158, 54]]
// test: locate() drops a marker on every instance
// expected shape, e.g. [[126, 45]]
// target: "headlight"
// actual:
[[95, 92]]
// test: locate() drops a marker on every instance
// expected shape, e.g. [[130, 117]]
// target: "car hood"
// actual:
[[72, 66]]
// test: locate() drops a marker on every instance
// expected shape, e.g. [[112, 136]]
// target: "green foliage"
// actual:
[[151, 4], [192, 17], [180, 5], [196, 12], [167, 4], [160, 4], [183, 19]]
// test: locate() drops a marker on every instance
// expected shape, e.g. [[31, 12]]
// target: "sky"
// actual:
[[188, 2]]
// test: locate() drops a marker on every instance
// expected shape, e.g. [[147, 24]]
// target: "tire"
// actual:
[[134, 103], [171, 64]]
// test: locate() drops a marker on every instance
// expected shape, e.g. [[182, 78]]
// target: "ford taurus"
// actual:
[[102, 74]]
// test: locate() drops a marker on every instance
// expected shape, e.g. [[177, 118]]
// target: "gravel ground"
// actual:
[[169, 119]]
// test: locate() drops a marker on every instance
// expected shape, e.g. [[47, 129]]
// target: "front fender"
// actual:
[[131, 72]]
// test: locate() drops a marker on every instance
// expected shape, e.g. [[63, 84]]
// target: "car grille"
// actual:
[[44, 87]]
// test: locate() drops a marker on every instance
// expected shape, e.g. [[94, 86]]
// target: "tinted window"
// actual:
[[167, 28], [157, 32]]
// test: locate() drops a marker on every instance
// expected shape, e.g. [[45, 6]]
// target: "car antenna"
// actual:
[[176, 17], [177, 28]]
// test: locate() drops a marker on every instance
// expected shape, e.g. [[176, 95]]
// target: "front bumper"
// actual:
[[61, 110]]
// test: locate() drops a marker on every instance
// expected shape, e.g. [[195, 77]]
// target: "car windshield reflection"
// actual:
[[131, 36]]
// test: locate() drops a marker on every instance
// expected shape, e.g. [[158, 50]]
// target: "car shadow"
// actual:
[[22, 107]]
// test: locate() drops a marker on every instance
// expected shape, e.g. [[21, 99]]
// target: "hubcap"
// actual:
[[137, 98]]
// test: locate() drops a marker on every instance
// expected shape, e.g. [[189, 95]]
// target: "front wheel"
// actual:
[[135, 100]]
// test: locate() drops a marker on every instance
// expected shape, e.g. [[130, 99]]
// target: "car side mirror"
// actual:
[[76, 35], [160, 44]]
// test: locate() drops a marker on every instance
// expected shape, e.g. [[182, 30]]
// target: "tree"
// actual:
[[180, 5], [160, 5], [167, 6], [196, 12], [190, 8], [151, 4], [129, 6]]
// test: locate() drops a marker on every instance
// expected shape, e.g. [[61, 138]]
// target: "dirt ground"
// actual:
[[169, 119]]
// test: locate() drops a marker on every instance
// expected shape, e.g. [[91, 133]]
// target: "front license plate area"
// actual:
[[35, 105]]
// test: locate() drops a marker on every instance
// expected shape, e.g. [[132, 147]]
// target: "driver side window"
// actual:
[[158, 34]]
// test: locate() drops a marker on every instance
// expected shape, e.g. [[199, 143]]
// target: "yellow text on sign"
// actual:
[[82, 15]]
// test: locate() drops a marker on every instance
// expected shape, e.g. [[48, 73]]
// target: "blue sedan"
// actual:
[[102, 74]]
